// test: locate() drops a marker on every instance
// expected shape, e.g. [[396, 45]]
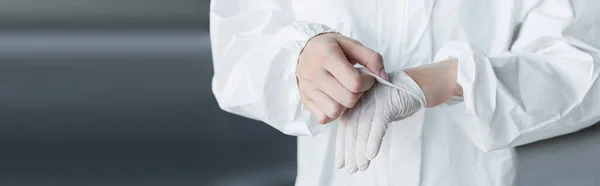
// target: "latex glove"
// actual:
[[361, 129]]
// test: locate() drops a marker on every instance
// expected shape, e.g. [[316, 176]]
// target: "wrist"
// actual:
[[437, 81], [453, 75]]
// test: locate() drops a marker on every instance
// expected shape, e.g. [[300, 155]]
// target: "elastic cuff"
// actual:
[[293, 38], [468, 75], [476, 76]]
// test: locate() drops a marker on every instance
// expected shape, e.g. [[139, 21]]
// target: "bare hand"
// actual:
[[327, 79]]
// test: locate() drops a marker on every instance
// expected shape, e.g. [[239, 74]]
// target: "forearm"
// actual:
[[437, 80], [520, 97], [542, 99]]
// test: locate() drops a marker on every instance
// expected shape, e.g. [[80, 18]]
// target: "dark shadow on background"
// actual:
[[104, 14], [118, 93]]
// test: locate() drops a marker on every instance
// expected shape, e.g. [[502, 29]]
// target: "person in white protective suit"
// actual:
[[412, 92]]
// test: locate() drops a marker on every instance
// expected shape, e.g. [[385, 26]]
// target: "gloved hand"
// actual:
[[361, 129]]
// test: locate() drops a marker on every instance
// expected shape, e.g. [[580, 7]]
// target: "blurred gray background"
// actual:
[[117, 92]]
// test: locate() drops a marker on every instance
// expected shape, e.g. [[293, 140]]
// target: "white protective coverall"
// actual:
[[529, 71]]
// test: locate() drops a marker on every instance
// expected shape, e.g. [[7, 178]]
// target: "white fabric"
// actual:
[[529, 71]]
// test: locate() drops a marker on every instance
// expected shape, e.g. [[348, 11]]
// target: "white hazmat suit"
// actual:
[[529, 71]]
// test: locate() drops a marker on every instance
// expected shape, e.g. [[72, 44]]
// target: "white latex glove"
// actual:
[[361, 129]]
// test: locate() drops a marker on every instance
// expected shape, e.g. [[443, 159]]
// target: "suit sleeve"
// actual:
[[545, 86], [255, 48]]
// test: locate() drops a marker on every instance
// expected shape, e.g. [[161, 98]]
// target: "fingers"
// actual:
[[341, 140], [355, 51], [323, 103], [326, 77], [332, 87], [378, 129], [350, 142], [314, 110], [343, 70], [367, 81], [327, 105], [363, 130]]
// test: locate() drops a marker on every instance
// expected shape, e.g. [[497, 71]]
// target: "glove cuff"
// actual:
[[402, 81]]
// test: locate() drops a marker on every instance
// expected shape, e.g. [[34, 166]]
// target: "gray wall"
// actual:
[[77, 14], [117, 92]]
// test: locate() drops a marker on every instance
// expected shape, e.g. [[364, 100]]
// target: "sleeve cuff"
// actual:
[[474, 72], [476, 108], [293, 38]]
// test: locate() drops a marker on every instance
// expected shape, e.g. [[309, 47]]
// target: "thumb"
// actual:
[[360, 54]]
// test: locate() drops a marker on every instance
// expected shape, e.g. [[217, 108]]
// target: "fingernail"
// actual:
[[384, 75]]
